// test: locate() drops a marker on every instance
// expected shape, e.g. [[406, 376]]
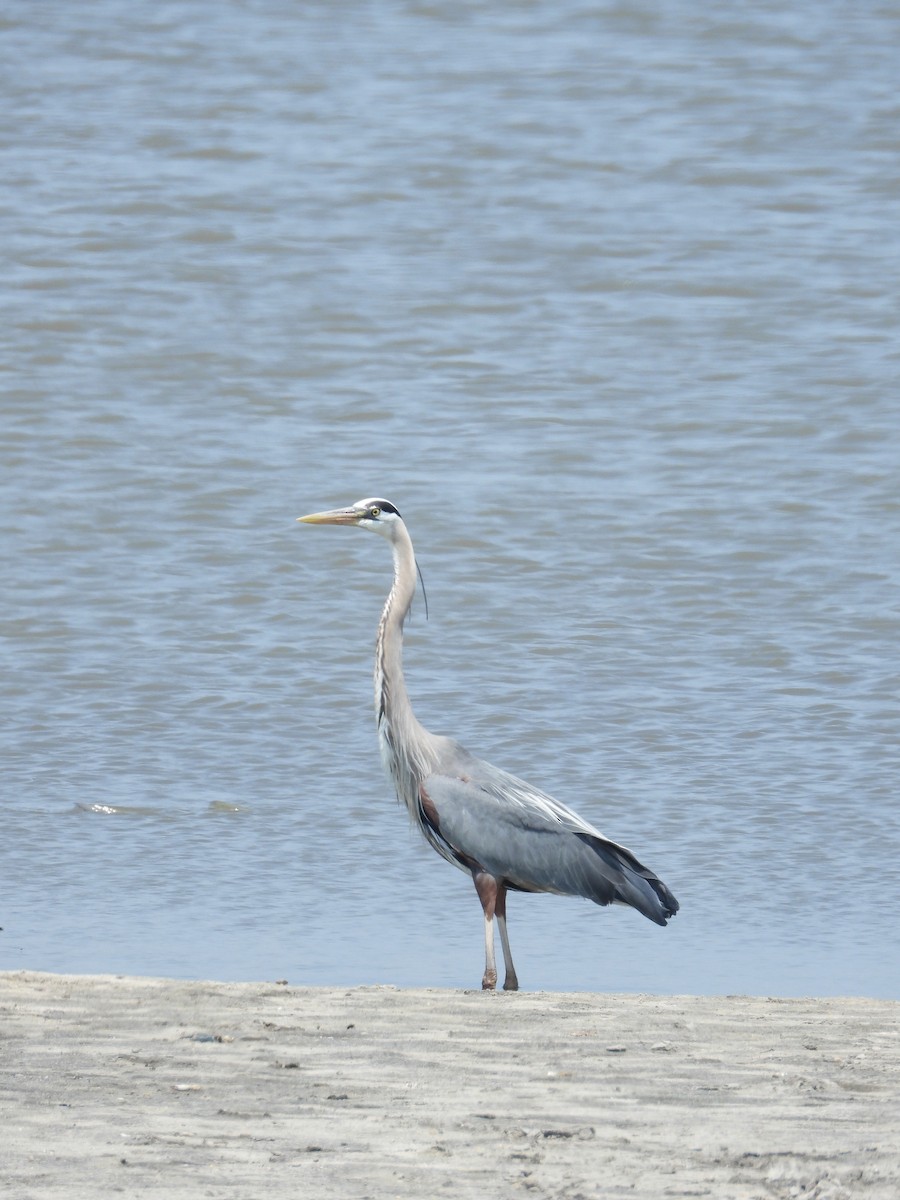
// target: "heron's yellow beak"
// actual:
[[336, 516]]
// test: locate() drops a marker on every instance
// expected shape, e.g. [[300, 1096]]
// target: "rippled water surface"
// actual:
[[604, 298]]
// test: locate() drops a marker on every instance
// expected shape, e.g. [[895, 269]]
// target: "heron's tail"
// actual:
[[633, 883]]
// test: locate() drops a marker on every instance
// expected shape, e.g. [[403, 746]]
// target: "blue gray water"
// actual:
[[605, 299]]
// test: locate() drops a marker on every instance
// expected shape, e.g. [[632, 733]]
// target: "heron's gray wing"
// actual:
[[486, 818]]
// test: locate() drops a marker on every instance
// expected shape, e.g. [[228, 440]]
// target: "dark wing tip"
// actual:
[[669, 904]]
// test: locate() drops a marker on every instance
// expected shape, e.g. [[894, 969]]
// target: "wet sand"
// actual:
[[128, 1086]]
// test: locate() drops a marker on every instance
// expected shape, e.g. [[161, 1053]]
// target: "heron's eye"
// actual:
[[374, 511]]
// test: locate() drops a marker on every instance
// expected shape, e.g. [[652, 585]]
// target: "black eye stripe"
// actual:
[[379, 508]]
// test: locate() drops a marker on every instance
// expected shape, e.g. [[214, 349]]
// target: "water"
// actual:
[[604, 298]]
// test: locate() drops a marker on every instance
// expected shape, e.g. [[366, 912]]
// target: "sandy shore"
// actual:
[[126, 1086]]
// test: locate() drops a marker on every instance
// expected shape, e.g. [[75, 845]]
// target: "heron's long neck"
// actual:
[[405, 744]]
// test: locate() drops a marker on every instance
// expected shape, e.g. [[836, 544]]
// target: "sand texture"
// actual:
[[126, 1086]]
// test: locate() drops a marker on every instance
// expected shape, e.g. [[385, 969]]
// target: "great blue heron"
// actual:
[[505, 833]]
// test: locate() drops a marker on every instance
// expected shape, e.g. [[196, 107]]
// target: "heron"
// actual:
[[506, 834]]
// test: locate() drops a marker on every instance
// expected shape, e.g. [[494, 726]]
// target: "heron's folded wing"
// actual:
[[533, 845]]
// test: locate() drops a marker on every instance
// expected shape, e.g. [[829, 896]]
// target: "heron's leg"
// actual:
[[511, 983], [487, 888]]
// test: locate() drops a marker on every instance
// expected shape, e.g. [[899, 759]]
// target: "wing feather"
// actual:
[[485, 817]]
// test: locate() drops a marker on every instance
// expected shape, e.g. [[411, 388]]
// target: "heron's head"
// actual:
[[378, 515]]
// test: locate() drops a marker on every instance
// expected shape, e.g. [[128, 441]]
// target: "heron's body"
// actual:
[[501, 830]]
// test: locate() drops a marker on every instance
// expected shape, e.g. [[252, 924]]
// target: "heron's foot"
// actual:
[[489, 981], [510, 984]]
